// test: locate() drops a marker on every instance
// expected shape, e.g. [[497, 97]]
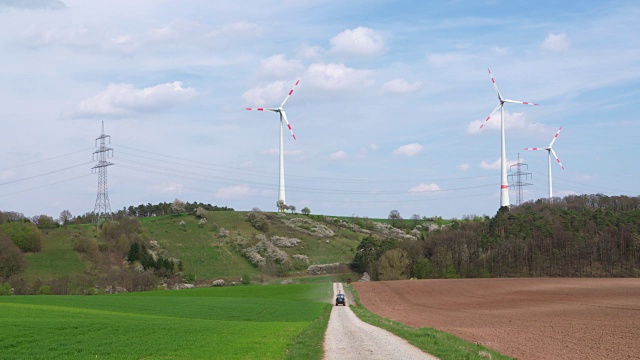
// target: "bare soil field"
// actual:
[[538, 318]]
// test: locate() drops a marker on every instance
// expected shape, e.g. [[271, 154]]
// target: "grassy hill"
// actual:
[[214, 250]]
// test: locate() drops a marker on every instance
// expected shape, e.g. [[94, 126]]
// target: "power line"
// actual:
[[43, 160], [45, 174], [46, 185]]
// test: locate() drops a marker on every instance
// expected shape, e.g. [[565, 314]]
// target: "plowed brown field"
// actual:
[[540, 318]]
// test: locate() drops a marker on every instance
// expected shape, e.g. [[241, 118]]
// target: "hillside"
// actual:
[[76, 256]]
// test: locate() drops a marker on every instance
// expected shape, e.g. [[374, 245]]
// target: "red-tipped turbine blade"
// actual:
[[555, 137], [535, 149], [289, 95], [490, 115], [493, 81], [256, 109], [558, 160], [284, 116], [520, 102]]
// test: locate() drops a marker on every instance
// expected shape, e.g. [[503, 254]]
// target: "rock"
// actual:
[[218, 282]]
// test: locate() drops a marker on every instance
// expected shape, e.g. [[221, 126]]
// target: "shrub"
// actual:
[[44, 290], [12, 260], [258, 220], [24, 234], [5, 289], [201, 213], [189, 278], [246, 279]]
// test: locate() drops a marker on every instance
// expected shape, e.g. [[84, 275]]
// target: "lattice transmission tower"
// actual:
[[520, 178], [102, 209]]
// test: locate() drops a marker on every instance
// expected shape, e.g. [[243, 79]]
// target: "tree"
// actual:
[[305, 210], [65, 217], [24, 234], [394, 265], [416, 219], [282, 207], [12, 260], [44, 222], [178, 206], [396, 219], [201, 213], [292, 208]]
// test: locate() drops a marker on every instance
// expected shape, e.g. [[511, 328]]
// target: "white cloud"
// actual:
[[408, 150], [423, 187], [496, 164], [463, 167], [124, 99], [278, 66], [34, 4], [236, 191], [337, 76], [338, 155], [168, 188], [556, 43], [515, 121], [360, 41], [309, 52], [269, 95], [75, 37], [401, 86]]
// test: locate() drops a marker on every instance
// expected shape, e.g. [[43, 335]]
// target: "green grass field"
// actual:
[[57, 257], [245, 322]]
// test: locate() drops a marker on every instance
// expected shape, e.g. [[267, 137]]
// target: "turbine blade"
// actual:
[[495, 85], [256, 109], [284, 116], [520, 102], [289, 95], [555, 137], [535, 148], [558, 160], [490, 115]]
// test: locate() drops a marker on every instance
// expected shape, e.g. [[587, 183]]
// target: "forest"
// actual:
[[576, 236]]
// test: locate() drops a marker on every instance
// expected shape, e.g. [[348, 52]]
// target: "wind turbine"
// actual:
[[550, 151], [283, 116], [504, 187]]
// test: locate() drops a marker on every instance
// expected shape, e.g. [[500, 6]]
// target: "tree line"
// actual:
[[576, 236]]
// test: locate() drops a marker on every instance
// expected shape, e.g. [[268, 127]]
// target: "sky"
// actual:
[[387, 113]]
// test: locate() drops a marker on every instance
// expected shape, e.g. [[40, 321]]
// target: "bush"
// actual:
[[5, 290], [24, 234], [258, 220], [12, 260], [189, 278], [44, 290], [246, 279]]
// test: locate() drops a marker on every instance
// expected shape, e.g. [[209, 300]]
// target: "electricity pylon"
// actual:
[[102, 209]]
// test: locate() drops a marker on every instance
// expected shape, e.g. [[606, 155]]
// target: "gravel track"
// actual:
[[349, 338]]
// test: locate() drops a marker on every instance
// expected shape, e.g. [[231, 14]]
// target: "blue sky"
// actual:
[[387, 112]]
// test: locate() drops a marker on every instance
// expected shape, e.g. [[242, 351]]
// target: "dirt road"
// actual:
[[544, 318], [349, 338]]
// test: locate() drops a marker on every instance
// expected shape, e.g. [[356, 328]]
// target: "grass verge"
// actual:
[[440, 344], [309, 343]]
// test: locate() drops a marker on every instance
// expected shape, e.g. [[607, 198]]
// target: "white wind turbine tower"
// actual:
[[550, 151], [283, 116], [504, 187]]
